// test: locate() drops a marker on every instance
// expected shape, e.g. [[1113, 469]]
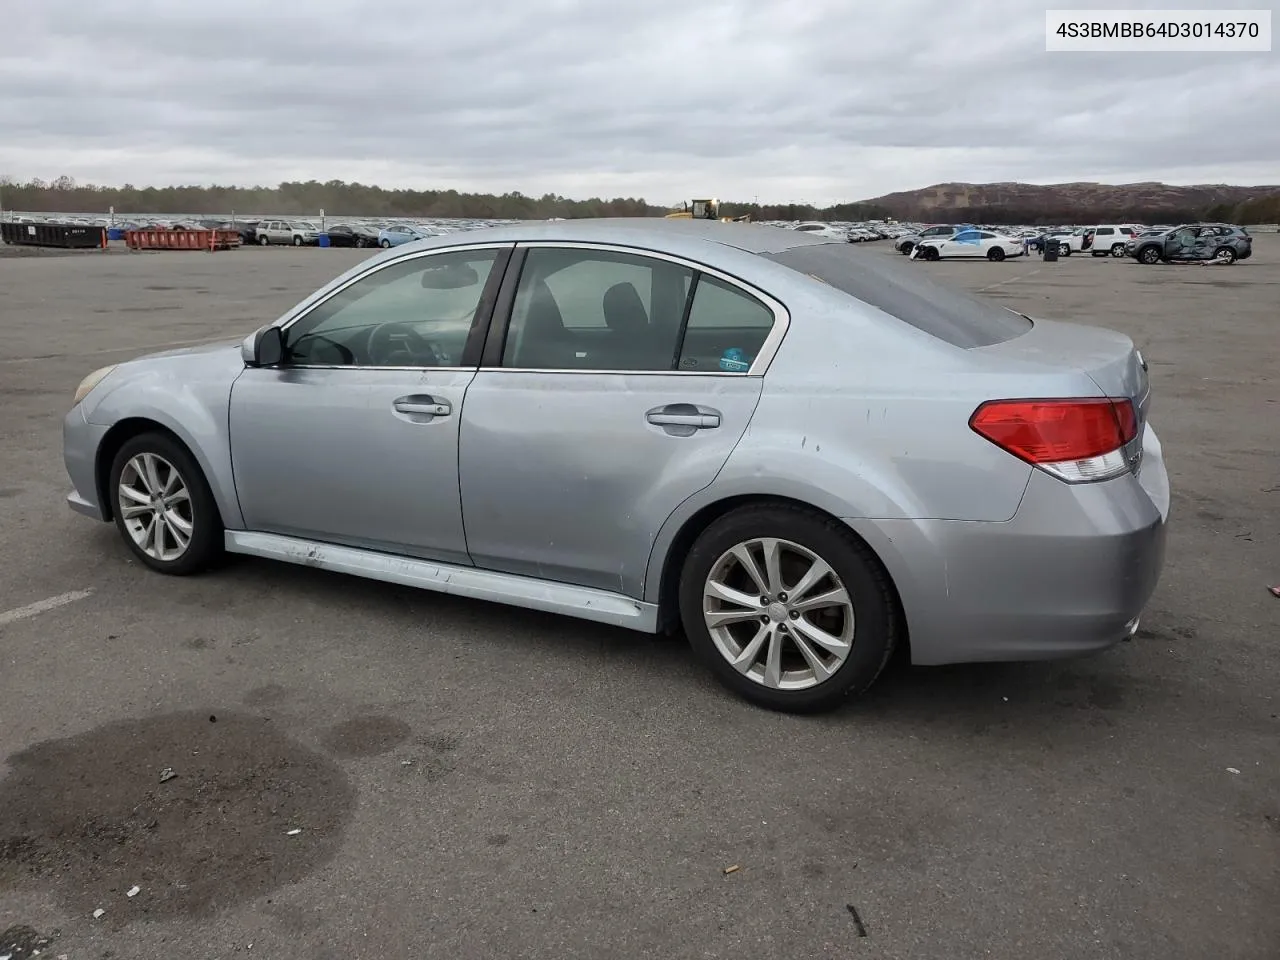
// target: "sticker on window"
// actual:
[[734, 360]]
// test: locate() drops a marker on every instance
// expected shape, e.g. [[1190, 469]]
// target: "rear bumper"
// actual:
[[1070, 574]]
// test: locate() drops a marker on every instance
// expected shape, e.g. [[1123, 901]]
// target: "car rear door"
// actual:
[[615, 384]]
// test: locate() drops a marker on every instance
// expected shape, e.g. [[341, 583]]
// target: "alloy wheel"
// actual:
[[155, 506], [778, 613]]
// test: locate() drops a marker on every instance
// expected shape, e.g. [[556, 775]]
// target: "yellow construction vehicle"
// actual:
[[705, 210]]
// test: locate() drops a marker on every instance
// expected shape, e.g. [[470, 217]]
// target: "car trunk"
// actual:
[[1108, 358]]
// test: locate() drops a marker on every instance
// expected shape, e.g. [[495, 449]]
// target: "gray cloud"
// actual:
[[823, 100]]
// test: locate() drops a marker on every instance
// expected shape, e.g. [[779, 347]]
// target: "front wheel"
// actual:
[[264, 241], [906, 248], [1064, 250], [297, 240], [1149, 255], [995, 254], [163, 506], [788, 608], [385, 244]]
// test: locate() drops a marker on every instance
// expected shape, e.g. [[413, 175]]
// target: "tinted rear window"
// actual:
[[903, 289]]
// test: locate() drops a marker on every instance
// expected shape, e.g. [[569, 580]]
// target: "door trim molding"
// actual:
[[584, 603]]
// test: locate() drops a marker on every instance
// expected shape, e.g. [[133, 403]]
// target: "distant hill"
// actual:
[[1082, 203]]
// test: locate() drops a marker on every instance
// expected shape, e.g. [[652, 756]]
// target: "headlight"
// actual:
[[91, 381]]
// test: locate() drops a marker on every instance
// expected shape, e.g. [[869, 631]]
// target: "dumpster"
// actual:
[[67, 236]]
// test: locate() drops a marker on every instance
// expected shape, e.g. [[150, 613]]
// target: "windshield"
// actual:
[[958, 318]]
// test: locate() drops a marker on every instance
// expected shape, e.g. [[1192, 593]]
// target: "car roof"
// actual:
[[677, 236]]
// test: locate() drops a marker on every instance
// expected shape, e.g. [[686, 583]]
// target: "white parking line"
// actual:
[[42, 606], [1021, 276]]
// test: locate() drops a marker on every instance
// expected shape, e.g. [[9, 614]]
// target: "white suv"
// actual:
[[1099, 241], [297, 232]]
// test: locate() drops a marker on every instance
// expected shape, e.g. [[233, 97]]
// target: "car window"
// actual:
[[1105, 231], [396, 316], [950, 314], [986, 236], [581, 309], [727, 327]]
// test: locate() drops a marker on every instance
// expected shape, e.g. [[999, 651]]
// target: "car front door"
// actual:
[[966, 243], [353, 439], [616, 391]]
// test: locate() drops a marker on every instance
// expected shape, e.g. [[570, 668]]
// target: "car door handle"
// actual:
[[699, 421], [422, 406]]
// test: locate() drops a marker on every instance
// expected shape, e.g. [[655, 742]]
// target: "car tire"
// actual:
[[1117, 249], [995, 254], [932, 254], [859, 625], [264, 241], [297, 240], [1225, 255], [1064, 250], [1149, 255], [385, 244], [906, 248], [155, 460]]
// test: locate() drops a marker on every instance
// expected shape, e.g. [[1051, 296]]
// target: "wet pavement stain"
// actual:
[[89, 817], [367, 736]]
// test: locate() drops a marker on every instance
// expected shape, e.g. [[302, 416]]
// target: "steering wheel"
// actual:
[[397, 343]]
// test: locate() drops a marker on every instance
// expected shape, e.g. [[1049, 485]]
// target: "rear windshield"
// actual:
[[904, 290]]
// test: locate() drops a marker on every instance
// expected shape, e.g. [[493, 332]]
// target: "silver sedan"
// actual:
[[803, 455]]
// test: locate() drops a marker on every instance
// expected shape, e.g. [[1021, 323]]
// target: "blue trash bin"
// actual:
[[115, 233], [323, 240]]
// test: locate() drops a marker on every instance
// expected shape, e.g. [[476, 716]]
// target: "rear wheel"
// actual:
[[995, 254], [1224, 255], [163, 506], [1117, 249], [788, 608], [1149, 255]]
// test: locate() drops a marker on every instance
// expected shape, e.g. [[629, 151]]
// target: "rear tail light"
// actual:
[[1077, 440]]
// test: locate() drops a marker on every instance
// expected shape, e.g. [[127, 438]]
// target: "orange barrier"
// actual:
[[182, 239]]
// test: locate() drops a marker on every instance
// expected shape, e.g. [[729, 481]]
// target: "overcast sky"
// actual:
[[815, 100]]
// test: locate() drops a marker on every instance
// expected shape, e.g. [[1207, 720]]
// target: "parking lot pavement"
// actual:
[[361, 770]]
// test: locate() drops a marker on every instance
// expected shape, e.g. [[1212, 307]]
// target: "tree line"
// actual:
[[338, 198]]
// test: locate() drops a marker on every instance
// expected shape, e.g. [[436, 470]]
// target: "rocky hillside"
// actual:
[[1072, 202]]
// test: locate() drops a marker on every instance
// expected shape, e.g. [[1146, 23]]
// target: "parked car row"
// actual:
[[1192, 242], [852, 232]]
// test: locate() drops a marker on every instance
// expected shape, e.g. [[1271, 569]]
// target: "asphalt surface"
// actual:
[[473, 780]]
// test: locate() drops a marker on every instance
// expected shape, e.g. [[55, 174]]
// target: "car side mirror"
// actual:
[[263, 348]]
